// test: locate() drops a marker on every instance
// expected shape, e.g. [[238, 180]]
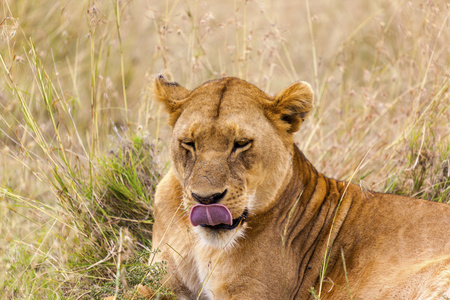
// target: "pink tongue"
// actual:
[[212, 214]]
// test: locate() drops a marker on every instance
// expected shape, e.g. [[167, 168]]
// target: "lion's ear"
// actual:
[[292, 105], [172, 95]]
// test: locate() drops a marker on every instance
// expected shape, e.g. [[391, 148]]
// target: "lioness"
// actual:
[[242, 214]]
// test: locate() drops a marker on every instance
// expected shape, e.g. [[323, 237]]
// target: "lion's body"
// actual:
[[382, 246]]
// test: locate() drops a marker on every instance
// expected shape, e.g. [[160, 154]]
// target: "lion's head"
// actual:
[[231, 150]]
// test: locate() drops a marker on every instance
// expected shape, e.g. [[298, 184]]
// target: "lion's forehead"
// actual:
[[226, 96], [214, 108], [226, 129], [231, 123], [231, 86], [223, 112]]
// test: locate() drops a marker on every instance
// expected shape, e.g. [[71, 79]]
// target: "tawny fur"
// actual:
[[392, 247]]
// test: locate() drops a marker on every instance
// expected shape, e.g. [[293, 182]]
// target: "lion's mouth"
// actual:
[[236, 222]]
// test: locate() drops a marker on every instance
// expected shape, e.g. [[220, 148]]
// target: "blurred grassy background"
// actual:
[[82, 145]]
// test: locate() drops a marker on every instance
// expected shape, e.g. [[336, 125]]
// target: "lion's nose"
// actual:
[[210, 199]]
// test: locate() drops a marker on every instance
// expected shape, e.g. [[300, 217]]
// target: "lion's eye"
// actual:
[[188, 145], [242, 145]]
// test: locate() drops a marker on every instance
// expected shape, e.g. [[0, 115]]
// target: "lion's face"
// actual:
[[230, 150]]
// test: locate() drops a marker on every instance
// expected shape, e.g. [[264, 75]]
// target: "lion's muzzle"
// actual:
[[210, 199]]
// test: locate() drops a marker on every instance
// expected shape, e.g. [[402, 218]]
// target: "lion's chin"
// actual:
[[216, 237]]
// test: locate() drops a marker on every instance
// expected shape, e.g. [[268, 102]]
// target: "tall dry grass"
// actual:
[[75, 87]]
